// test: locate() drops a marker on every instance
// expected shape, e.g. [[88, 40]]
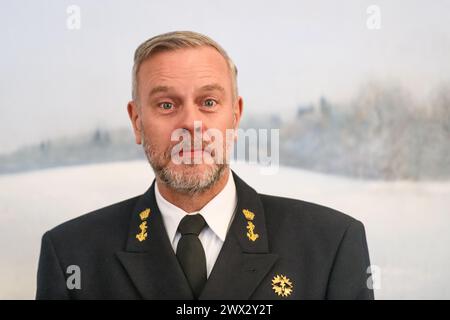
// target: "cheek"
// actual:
[[158, 133], [225, 121]]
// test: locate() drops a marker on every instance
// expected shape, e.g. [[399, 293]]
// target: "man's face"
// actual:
[[175, 89]]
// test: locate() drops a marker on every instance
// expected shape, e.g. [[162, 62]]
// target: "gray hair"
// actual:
[[177, 40]]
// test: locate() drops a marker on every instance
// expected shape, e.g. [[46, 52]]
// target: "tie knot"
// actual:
[[191, 224]]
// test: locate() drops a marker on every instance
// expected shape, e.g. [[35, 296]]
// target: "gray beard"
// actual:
[[179, 180]]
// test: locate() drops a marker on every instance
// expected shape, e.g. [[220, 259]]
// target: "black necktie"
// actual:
[[190, 252]]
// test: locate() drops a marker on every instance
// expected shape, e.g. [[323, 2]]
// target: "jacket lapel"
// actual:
[[245, 259], [240, 267], [149, 258]]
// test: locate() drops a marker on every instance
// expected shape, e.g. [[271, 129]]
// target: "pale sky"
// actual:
[[55, 81]]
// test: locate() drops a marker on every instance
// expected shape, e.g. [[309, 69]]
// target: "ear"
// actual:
[[134, 114], [237, 113]]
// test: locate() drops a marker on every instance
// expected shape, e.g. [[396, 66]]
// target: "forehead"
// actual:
[[184, 65]]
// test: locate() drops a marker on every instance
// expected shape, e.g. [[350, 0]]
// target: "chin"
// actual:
[[193, 170], [191, 178]]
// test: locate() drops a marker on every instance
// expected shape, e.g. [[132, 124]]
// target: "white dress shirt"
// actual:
[[218, 214]]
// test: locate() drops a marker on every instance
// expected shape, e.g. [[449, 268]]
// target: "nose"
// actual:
[[192, 119]]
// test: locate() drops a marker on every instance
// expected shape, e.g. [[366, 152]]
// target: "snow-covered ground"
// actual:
[[407, 223]]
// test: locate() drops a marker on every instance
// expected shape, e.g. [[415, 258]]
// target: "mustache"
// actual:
[[187, 146]]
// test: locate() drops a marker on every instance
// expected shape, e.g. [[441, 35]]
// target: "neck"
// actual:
[[192, 203]]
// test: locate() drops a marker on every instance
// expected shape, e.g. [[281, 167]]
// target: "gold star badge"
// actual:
[[282, 285], [142, 235]]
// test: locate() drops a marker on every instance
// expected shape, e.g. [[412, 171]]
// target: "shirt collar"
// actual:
[[218, 212]]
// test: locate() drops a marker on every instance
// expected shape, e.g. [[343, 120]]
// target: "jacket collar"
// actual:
[[218, 212], [243, 261]]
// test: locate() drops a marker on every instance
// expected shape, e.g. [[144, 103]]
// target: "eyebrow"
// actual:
[[207, 87], [158, 89], [212, 87]]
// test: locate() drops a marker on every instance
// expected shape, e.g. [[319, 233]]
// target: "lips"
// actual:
[[191, 151]]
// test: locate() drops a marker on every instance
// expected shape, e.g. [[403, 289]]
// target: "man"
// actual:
[[199, 231]]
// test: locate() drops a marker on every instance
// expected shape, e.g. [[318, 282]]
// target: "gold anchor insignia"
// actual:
[[251, 234], [143, 234], [250, 226], [282, 285]]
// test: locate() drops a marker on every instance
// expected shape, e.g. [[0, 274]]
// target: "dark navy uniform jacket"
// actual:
[[303, 251]]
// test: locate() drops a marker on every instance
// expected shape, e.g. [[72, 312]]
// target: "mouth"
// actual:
[[192, 152]]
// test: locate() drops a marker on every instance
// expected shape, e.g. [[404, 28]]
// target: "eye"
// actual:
[[166, 105], [209, 103]]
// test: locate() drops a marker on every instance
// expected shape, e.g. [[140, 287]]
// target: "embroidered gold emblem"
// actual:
[[248, 214], [143, 234], [144, 214], [282, 285], [251, 233]]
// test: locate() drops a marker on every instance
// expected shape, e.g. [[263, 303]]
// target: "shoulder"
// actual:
[[105, 225], [313, 219]]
